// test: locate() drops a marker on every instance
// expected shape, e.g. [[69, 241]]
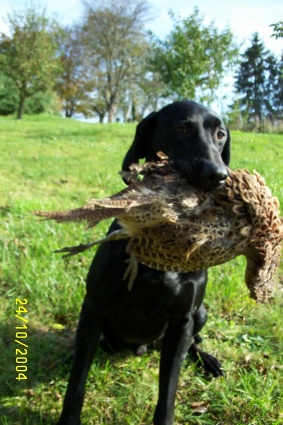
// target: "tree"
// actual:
[[259, 83], [277, 29], [74, 83], [28, 55], [8, 95], [273, 88], [116, 42], [193, 59], [35, 104], [250, 78], [142, 90]]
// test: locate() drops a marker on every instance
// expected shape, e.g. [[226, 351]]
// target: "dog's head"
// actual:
[[191, 135]]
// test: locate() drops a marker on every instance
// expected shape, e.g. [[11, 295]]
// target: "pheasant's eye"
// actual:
[[181, 129]]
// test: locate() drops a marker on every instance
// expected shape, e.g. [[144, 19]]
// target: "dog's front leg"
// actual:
[[175, 345], [87, 339]]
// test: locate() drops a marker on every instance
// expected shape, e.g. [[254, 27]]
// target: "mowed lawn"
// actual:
[[55, 163]]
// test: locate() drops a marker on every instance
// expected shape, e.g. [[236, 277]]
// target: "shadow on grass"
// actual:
[[47, 355], [17, 415], [38, 399]]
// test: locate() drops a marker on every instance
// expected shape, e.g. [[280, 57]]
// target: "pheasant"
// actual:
[[173, 226]]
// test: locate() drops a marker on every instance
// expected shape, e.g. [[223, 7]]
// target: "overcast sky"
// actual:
[[244, 17]]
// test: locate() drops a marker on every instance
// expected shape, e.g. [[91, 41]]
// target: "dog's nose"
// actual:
[[213, 175]]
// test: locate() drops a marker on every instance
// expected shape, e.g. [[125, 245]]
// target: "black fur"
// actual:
[[162, 306]]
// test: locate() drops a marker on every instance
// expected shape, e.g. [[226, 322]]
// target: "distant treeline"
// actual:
[[108, 66]]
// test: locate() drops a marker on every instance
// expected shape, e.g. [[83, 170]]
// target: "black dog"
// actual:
[[161, 305]]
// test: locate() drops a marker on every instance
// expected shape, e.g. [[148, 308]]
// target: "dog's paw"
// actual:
[[210, 364]]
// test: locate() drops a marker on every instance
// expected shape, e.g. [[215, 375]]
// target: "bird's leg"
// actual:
[[131, 271], [73, 250]]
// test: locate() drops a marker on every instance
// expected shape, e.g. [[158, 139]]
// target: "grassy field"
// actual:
[[52, 163]]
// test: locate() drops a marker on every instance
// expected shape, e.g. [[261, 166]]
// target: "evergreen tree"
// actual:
[[251, 79], [273, 88], [259, 84]]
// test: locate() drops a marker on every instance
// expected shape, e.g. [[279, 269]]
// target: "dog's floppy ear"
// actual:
[[225, 154], [141, 145]]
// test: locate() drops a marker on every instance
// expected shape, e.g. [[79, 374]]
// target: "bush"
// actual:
[[42, 102], [8, 96], [36, 104]]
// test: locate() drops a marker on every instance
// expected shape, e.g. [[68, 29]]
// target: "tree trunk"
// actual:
[[110, 114], [112, 107], [68, 113], [69, 108], [21, 107]]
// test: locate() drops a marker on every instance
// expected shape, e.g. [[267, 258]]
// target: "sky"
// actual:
[[244, 17]]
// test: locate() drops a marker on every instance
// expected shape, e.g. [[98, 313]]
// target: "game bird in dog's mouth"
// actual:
[[173, 226]]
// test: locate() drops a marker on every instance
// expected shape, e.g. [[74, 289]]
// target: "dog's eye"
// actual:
[[220, 135], [181, 129]]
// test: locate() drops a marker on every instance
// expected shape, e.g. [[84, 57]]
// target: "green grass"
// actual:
[[53, 163]]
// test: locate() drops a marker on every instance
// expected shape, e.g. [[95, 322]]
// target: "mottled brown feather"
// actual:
[[174, 227]]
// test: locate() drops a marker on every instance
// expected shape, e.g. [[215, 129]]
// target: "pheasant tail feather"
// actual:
[[91, 214]]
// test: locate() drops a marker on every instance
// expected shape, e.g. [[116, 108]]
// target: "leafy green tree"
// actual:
[[193, 59], [277, 29], [35, 104], [43, 102], [28, 55], [8, 95]]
